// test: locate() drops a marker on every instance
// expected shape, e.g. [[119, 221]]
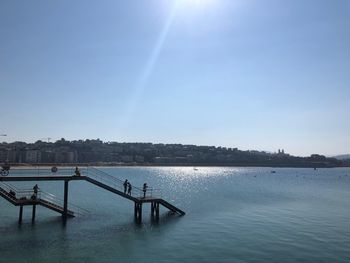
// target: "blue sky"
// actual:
[[250, 74]]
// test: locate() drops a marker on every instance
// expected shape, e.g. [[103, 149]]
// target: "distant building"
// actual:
[[127, 158], [65, 155], [33, 156], [3, 155], [139, 159], [118, 149], [47, 157]]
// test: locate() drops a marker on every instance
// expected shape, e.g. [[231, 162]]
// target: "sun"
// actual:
[[198, 3], [195, 2]]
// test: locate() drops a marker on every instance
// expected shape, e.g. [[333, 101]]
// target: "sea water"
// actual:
[[232, 215]]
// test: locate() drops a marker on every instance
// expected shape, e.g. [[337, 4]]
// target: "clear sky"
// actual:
[[252, 74]]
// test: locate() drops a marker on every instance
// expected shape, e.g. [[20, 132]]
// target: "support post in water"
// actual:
[[138, 212], [20, 214], [33, 213], [65, 202], [157, 210], [135, 210], [152, 209]]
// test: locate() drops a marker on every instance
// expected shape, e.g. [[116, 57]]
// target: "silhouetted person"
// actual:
[[35, 189], [77, 172], [144, 189], [125, 184], [129, 188]]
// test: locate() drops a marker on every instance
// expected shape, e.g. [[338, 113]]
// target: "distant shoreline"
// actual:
[[26, 165]]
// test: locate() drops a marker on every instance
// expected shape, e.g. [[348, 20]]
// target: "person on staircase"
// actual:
[[129, 188], [125, 184]]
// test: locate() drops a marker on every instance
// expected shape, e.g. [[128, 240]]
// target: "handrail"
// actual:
[[119, 184], [154, 192], [41, 195], [107, 180], [110, 180], [54, 199], [92, 172], [19, 193], [41, 171]]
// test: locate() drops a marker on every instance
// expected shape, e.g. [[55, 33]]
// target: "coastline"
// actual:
[[49, 165]]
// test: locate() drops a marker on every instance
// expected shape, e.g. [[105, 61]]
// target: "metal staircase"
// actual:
[[25, 197], [115, 185]]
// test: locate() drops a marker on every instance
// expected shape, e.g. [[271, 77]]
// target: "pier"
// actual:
[[101, 179]]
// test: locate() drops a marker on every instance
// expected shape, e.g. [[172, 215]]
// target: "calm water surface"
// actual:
[[233, 215]]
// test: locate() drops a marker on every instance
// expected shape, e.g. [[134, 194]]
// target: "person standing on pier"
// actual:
[[125, 184], [77, 172], [144, 189], [129, 188], [35, 189]]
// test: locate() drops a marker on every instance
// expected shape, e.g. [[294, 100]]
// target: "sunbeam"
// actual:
[[148, 69]]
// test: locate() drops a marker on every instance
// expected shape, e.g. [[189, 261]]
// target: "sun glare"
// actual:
[[196, 3]]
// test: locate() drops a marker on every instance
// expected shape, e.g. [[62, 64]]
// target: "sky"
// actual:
[[252, 74]]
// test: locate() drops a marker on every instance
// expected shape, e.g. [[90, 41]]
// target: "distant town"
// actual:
[[97, 152]]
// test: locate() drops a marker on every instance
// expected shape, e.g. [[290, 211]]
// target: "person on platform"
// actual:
[[35, 190], [144, 189]]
